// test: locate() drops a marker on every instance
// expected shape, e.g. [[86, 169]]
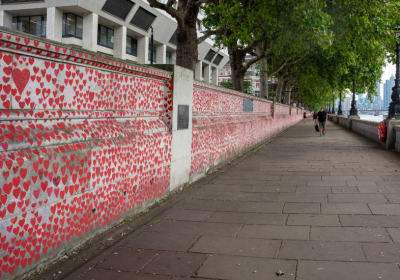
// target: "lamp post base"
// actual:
[[353, 112], [394, 111]]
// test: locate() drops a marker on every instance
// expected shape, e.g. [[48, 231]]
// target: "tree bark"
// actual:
[[187, 51], [264, 77], [278, 95], [238, 71]]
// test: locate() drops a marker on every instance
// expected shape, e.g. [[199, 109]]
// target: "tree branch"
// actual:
[[170, 10], [208, 34]]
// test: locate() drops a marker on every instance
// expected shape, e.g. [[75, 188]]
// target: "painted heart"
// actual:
[[21, 79]]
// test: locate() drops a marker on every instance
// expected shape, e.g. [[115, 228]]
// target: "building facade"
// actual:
[[118, 28], [387, 93]]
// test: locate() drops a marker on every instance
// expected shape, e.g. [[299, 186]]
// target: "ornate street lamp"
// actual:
[[353, 110], [333, 102], [340, 112], [394, 107]]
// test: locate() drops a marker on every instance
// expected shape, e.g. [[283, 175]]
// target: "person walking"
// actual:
[[321, 118], [314, 114], [304, 117]]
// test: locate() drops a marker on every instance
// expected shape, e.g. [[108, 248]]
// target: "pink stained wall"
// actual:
[[83, 141], [221, 130]]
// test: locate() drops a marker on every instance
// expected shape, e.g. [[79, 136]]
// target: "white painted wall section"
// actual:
[[181, 139]]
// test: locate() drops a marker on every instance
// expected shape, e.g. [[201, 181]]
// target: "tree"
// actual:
[[186, 15], [247, 86]]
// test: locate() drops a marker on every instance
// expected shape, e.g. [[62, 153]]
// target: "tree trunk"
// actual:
[[264, 78], [238, 71], [288, 95], [278, 96], [186, 52]]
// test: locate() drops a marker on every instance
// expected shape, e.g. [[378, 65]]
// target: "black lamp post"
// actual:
[[333, 103], [340, 112], [329, 107], [353, 110], [151, 46], [394, 107]]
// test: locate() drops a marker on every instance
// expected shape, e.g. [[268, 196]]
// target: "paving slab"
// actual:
[[217, 195], [329, 270], [245, 268], [385, 209], [356, 234], [164, 241], [302, 208], [102, 274], [127, 259], [248, 218], [362, 184], [201, 204], [201, 228], [188, 215], [301, 197], [394, 234], [376, 189], [233, 188], [313, 220], [375, 252], [237, 246], [275, 232], [321, 251], [393, 198], [345, 208], [369, 221], [262, 207], [175, 263], [352, 198], [344, 190], [256, 196], [274, 189], [312, 190]]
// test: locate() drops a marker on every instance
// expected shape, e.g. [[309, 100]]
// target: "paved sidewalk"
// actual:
[[315, 208]]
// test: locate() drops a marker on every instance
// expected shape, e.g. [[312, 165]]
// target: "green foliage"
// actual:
[[247, 86]]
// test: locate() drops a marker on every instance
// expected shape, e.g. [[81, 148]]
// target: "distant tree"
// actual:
[[247, 86]]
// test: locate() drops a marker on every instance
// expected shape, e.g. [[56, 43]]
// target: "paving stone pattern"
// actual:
[[315, 208]]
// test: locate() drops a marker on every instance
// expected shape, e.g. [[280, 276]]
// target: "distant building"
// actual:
[[387, 92], [376, 105], [347, 104], [251, 76]]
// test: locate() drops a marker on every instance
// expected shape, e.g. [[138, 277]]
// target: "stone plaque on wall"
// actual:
[[247, 105], [183, 117]]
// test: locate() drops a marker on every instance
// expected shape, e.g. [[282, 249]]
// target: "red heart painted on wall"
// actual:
[[21, 79]]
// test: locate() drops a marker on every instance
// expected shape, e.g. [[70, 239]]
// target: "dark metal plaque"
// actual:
[[247, 105], [183, 117]]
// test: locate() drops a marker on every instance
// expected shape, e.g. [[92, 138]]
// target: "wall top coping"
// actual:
[[366, 122], [201, 85], [37, 46], [397, 127]]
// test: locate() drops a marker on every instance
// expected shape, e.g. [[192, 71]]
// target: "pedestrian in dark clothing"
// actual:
[[315, 118], [321, 117], [304, 116]]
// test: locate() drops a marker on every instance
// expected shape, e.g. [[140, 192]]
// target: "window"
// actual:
[[35, 25], [106, 37], [169, 58], [131, 46], [118, 8], [72, 26], [154, 53]]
